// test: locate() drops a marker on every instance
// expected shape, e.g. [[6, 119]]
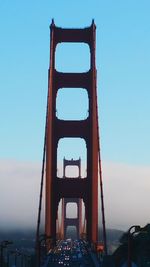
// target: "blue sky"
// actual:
[[123, 64]]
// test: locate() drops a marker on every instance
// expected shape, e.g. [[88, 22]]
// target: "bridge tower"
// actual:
[[77, 221], [58, 188]]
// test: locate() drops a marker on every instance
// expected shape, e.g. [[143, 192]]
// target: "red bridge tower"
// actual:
[[77, 222], [86, 188]]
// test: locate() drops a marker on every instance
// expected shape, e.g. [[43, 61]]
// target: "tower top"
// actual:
[[54, 25]]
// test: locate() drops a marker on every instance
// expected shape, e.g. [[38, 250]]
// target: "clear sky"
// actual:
[[123, 64]]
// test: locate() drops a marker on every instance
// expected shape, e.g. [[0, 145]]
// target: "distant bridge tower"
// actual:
[[77, 221], [58, 188]]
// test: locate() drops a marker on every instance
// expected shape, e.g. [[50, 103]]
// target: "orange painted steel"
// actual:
[[87, 188]]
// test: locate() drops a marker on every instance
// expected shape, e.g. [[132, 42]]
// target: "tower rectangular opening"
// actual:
[[71, 148], [72, 57], [72, 104]]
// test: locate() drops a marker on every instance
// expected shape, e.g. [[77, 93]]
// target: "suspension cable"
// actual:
[[42, 181], [103, 208], [101, 182], [44, 147]]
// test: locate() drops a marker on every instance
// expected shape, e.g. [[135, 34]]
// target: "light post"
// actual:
[[19, 254], [3, 245], [8, 256], [136, 228], [41, 239], [42, 243], [15, 253], [21, 258], [10, 252], [25, 260], [28, 260]]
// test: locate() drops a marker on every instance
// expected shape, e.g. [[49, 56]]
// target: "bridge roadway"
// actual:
[[70, 253]]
